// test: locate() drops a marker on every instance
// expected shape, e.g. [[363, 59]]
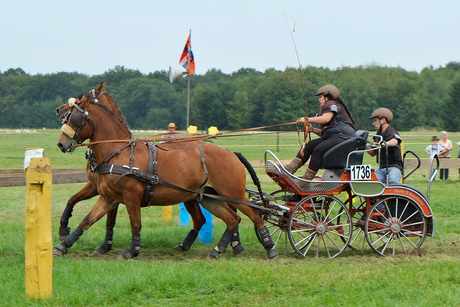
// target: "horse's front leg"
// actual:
[[134, 212], [100, 208], [108, 241], [87, 192]]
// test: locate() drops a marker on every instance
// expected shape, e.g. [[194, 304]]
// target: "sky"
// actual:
[[91, 37]]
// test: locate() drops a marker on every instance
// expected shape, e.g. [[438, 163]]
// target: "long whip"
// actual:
[[300, 71]]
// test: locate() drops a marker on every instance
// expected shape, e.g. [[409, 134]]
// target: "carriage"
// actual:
[[320, 218], [346, 208]]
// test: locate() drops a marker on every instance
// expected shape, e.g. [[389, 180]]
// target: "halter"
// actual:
[[79, 118]]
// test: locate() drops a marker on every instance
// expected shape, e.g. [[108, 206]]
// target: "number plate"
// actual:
[[360, 172]]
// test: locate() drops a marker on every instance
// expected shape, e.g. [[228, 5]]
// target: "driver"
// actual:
[[336, 125], [382, 118]]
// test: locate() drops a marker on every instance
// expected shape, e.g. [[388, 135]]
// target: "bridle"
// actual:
[[79, 117]]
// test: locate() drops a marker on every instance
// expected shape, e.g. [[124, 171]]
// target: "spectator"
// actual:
[[445, 154], [458, 143], [433, 149], [171, 133]]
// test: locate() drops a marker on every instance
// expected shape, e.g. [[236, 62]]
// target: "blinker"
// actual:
[[76, 119]]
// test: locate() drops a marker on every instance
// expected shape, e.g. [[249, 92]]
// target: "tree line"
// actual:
[[243, 99]]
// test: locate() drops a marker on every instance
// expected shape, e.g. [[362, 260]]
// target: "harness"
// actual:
[[151, 176]]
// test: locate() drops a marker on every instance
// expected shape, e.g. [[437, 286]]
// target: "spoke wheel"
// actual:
[[320, 227], [395, 225], [357, 211], [277, 225]]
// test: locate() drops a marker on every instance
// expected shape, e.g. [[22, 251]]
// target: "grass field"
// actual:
[[162, 277]]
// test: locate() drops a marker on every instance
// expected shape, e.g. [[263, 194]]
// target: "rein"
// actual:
[[150, 138]]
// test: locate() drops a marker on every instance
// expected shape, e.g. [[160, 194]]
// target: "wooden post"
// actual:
[[39, 243], [167, 213]]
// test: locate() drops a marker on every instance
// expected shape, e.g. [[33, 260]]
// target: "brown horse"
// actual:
[[90, 189], [182, 176]]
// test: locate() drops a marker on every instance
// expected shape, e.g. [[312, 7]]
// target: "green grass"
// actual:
[[162, 277]]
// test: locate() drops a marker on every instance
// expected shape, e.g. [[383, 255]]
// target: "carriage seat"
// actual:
[[336, 157]]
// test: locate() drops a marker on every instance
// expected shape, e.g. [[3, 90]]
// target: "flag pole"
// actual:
[[189, 81]]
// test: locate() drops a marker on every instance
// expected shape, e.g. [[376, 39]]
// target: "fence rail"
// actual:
[[16, 177]]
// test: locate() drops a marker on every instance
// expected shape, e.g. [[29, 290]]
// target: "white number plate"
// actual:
[[360, 172]]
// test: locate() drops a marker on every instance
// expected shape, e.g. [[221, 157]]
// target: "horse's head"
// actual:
[[77, 125], [62, 111]]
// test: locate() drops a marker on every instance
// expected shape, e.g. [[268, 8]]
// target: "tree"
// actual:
[[451, 108]]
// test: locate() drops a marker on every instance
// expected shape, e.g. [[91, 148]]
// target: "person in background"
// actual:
[[390, 137], [458, 143], [446, 145], [171, 132], [433, 149]]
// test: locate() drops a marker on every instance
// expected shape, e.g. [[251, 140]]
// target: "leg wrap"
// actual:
[[223, 243], [108, 241], [189, 239], [235, 238], [238, 249], [135, 245], [64, 230], [73, 237], [264, 237], [66, 215]]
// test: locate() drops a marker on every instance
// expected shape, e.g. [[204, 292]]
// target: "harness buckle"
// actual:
[[155, 180]]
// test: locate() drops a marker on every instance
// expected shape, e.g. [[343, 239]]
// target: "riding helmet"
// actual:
[[328, 89], [382, 112]]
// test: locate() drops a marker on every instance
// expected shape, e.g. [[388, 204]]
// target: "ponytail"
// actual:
[[339, 100]]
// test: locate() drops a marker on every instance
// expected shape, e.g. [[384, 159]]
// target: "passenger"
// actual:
[[336, 125], [382, 118]]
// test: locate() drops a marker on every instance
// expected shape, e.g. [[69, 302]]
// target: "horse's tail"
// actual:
[[252, 172]]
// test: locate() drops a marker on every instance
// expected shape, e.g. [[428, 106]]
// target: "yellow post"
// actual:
[[167, 213], [39, 243]]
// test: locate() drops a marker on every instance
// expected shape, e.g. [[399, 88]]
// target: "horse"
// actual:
[[90, 189], [197, 172]]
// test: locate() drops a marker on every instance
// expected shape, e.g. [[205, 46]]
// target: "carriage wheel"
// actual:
[[316, 229], [395, 225], [277, 226], [357, 209]]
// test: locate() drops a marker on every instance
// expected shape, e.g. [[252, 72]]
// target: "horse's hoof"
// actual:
[[121, 257], [180, 248], [126, 255], [213, 254], [101, 250], [60, 249], [272, 254], [238, 250]]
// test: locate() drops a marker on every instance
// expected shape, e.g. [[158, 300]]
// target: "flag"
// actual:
[[186, 59]]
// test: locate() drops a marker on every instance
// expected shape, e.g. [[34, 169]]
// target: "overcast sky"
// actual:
[[93, 36]]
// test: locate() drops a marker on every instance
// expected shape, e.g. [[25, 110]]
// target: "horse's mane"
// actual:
[[122, 118], [121, 121]]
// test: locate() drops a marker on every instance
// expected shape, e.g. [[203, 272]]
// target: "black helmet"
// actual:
[[382, 112], [328, 89]]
